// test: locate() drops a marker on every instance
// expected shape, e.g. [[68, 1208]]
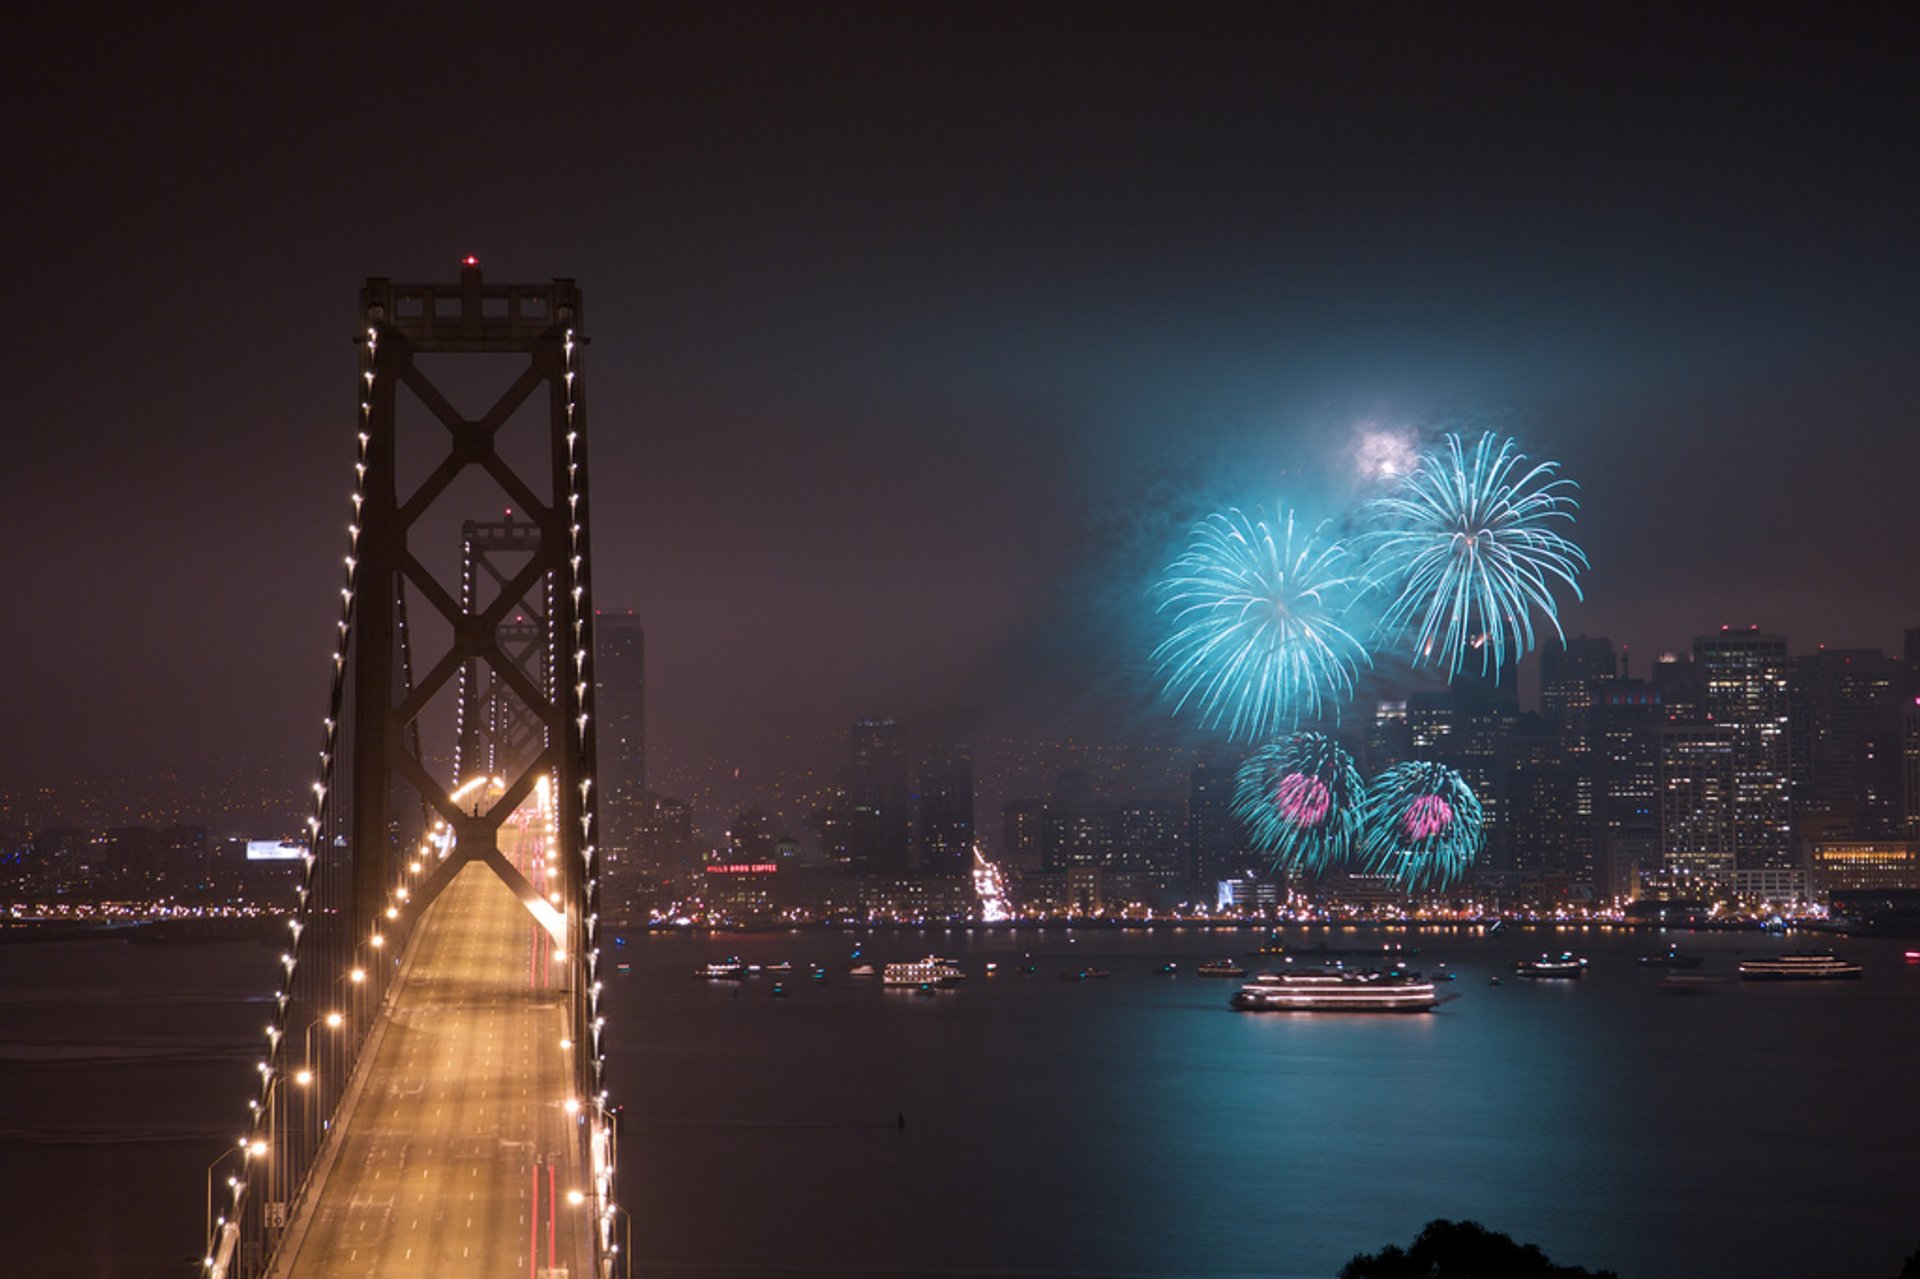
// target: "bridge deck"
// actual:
[[458, 1147]]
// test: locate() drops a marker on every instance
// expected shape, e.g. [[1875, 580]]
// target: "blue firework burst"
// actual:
[[1420, 823], [1468, 550], [1301, 799], [1257, 643]]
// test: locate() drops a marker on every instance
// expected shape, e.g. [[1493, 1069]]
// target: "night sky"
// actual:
[[920, 330]]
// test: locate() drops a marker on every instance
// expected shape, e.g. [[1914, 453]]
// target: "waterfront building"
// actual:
[[1857, 864]]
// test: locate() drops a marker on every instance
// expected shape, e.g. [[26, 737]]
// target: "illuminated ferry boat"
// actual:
[[1800, 965], [1565, 964], [728, 969], [1220, 968], [931, 971], [1328, 992]]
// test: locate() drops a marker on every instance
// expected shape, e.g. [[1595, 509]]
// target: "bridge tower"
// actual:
[[398, 810]]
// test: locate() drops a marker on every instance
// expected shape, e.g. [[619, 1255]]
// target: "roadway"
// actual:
[[459, 1146]]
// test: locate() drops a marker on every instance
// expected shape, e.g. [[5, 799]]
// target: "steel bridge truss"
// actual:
[[386, 835]]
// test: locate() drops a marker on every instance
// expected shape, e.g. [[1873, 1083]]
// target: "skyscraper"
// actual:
[[1745, 675], [943, 811], [1627, 716], [620, 703], [1844, 732], [879, 816], [1698, 802], [1217, 845]]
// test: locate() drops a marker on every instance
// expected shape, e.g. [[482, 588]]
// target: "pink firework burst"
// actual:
[[1302, 800], [1427, 816]]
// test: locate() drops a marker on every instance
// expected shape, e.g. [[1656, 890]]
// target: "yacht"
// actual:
[[1220, 968], [931, 971], [1337, 992], [1800, 965], [728, 969], [1565, 964]]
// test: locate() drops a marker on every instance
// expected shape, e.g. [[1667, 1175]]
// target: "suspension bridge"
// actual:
[[430, 1098]]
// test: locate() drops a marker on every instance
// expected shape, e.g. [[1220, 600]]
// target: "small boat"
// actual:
[[728, 969], [779, 990], [925, 988], [992, 968], [1565, 964], [861, 969], [1169, 968], [1495, 981], [784, 966], [1673, 958], [1220, 968], [1800, 965], [623, 967]]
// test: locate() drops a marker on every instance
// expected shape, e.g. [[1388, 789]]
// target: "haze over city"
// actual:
[[921, 334]]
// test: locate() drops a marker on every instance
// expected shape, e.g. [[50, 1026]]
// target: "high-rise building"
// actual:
[[1627, 716], [1698, 789], [879, 800], [1217, 845], [620, 741], [943, 811], [1745, 675], [1568, 672], [1388, 740], [1844, 745], [1026, 833]]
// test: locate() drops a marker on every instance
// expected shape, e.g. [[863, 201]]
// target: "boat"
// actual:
[[1673, 958], [784, 966], [931, 971], [861, 968], [779, 990], [1084, 974], [728, 969], [1337, 992], [1800, 965], [1169, 968], [1220, 968], [1565, 964]]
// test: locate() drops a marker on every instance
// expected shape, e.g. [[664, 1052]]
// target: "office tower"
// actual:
[[1627, 715], [1568, 672], [1217, 846], [1549, 813], [1681, 689], [1745, 674], [879, 799], [1149, 840], [620, 742], [1429, 721], [1388, 740], [943, 811], [1910, 731], [1026, 833], [1844, 744], [1698, 787]]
